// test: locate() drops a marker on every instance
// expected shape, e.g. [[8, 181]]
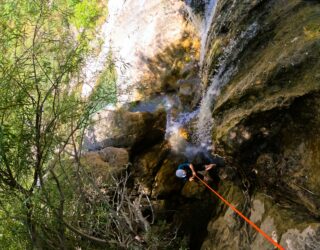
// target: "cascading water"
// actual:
[[209, 12], [176, 125], [226, 69], [224, 73]]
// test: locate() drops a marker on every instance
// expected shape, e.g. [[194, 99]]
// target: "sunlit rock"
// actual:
[[116, 157], [120, 128]]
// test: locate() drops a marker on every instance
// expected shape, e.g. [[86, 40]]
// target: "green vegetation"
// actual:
[[85, 13], [41, 121], [105, 91], [49, 199]]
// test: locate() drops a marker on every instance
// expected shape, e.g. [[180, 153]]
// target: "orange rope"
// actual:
[[244, 217]]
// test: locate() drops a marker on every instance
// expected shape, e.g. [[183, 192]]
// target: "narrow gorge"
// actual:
[[241, 77]]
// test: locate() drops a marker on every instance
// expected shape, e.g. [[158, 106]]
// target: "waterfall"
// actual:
[[175, 131], [224, 73], [209, 12]]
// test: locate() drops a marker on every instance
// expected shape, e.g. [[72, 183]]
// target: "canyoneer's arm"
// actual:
[[193, 172]]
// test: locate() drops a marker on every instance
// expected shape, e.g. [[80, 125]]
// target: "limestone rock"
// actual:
[[120, 128], [291, 230], [267, 63], [223, 230], [147, 164], [189, 93], [150, 51], [307, 238], [263, 68], [166, 183], [115, 157]]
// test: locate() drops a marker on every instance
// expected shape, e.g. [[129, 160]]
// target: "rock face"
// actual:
[[291, 230], [262, 68], [147, 164], [261, 74], [166, 183], [145, 47], [120, 128]]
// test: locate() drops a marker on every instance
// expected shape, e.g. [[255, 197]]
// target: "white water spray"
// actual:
[[226, 70], [176, 125], [206, 24]]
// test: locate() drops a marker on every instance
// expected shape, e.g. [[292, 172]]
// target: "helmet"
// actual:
[[180, 173]]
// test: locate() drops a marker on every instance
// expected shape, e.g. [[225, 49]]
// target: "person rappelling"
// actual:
[[186, 171], [202, 166], [200, 172]]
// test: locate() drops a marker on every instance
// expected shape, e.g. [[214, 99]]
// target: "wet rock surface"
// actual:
[[266, 118], [263, 59]]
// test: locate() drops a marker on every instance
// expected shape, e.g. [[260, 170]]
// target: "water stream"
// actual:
[[202, 119], [180, 120], [206, 24], [223, 75], [200, 140]]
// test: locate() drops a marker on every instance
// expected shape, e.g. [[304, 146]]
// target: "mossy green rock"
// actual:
[[270, 103], [267, 117]]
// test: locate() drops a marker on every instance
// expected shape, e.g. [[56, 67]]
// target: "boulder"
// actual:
[[115, 157], [120, 128], [147, 164], [166, 183], [94, 162], [189, 93]]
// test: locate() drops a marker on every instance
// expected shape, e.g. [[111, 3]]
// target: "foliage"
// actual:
[[85, 13], [105, 90], [41, 116], [48, 198]]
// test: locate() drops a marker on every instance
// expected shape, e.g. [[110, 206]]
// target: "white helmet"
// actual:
[[180, 173]]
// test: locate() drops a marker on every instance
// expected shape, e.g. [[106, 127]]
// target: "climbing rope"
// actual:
[[242, 216]]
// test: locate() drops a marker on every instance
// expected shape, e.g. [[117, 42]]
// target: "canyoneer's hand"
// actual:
[[191, 178]]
